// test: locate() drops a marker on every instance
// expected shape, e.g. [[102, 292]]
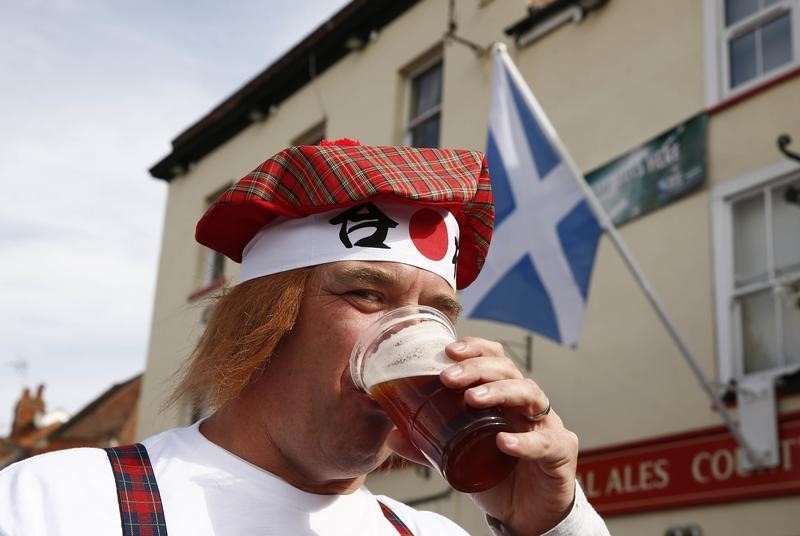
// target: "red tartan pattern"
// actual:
[[304, 180], [140, 506], [396, 522]]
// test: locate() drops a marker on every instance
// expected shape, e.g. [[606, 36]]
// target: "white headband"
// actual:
[[424, 237]]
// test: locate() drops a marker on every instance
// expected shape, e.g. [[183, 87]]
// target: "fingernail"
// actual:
[[510, 440], [481, 390], [458, 346], [454, 371]]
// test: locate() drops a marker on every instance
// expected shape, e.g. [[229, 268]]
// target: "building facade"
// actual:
[[674, 111]]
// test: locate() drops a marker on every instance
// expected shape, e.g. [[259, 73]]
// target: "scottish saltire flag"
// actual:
[[540, 261]]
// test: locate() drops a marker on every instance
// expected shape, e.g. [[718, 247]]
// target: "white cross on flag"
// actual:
[[540, 260]]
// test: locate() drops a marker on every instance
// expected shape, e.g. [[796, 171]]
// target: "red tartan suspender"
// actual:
[[139, 500], [396, 522], [137, 492]]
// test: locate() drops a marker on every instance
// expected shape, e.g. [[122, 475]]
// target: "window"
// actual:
[[750, 42], [757, 264], [425, 105], [211, 263], [214, 267]]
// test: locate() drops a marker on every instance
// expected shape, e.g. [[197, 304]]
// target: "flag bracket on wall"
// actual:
[[451, 35], [783, 144], [514, 347]]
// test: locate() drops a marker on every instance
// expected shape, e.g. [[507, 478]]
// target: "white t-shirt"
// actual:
[[205, 490]]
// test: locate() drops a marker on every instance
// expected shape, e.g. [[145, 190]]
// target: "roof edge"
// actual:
[[537, 15], [324, 46]]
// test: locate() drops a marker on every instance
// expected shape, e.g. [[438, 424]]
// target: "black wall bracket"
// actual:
[[783, 145]]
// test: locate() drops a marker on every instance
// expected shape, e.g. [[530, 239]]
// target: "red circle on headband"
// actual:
[[429, 233]]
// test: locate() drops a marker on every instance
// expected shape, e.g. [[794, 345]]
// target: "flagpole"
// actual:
[[607, 225]]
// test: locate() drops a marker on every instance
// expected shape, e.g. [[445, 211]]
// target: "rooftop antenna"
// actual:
[[20, 366]]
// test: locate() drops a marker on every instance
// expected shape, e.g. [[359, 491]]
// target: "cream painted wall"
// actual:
[[743, 138], [175, 322], [609, 83]]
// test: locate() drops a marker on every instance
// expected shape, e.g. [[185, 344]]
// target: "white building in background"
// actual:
[[673, 110]]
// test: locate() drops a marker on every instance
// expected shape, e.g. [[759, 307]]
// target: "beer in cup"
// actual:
[[397, 360]]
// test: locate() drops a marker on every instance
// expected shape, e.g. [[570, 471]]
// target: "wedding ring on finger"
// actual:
[[539, 416]]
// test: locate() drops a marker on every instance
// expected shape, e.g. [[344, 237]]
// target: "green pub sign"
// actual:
[[653, 174]]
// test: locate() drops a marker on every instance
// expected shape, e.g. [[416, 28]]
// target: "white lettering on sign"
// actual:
[[786, 452], [722, 464], [706, 467], [629, 478], [664, 157], [681, 472]]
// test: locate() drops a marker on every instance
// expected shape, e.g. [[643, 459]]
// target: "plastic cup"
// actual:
[[397, 360]]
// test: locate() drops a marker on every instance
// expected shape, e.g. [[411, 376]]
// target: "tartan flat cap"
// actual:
[[312, 179]]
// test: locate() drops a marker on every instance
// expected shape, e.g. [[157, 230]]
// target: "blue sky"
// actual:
[[91, 94]]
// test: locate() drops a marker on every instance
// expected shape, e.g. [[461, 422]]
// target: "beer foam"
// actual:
[[417, 350]]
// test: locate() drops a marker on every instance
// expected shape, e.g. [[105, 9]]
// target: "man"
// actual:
[[330, 238]]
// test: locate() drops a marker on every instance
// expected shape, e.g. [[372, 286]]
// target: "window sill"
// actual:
[[785, 386], [204, 291], [744, 95]]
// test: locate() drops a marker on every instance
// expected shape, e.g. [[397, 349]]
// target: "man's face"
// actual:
[[322, 425]]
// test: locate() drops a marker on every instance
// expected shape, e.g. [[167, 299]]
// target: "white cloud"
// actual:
[[93, 92]]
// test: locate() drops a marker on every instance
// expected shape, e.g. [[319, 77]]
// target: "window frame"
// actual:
[[312, 135], [209, 260], [410, 75], [717, 38], [213, 267], [730, 357]]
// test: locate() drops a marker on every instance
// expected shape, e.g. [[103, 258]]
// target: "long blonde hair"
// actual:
[[247, 322]]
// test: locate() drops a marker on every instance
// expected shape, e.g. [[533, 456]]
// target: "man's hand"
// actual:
[[539, 492]]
